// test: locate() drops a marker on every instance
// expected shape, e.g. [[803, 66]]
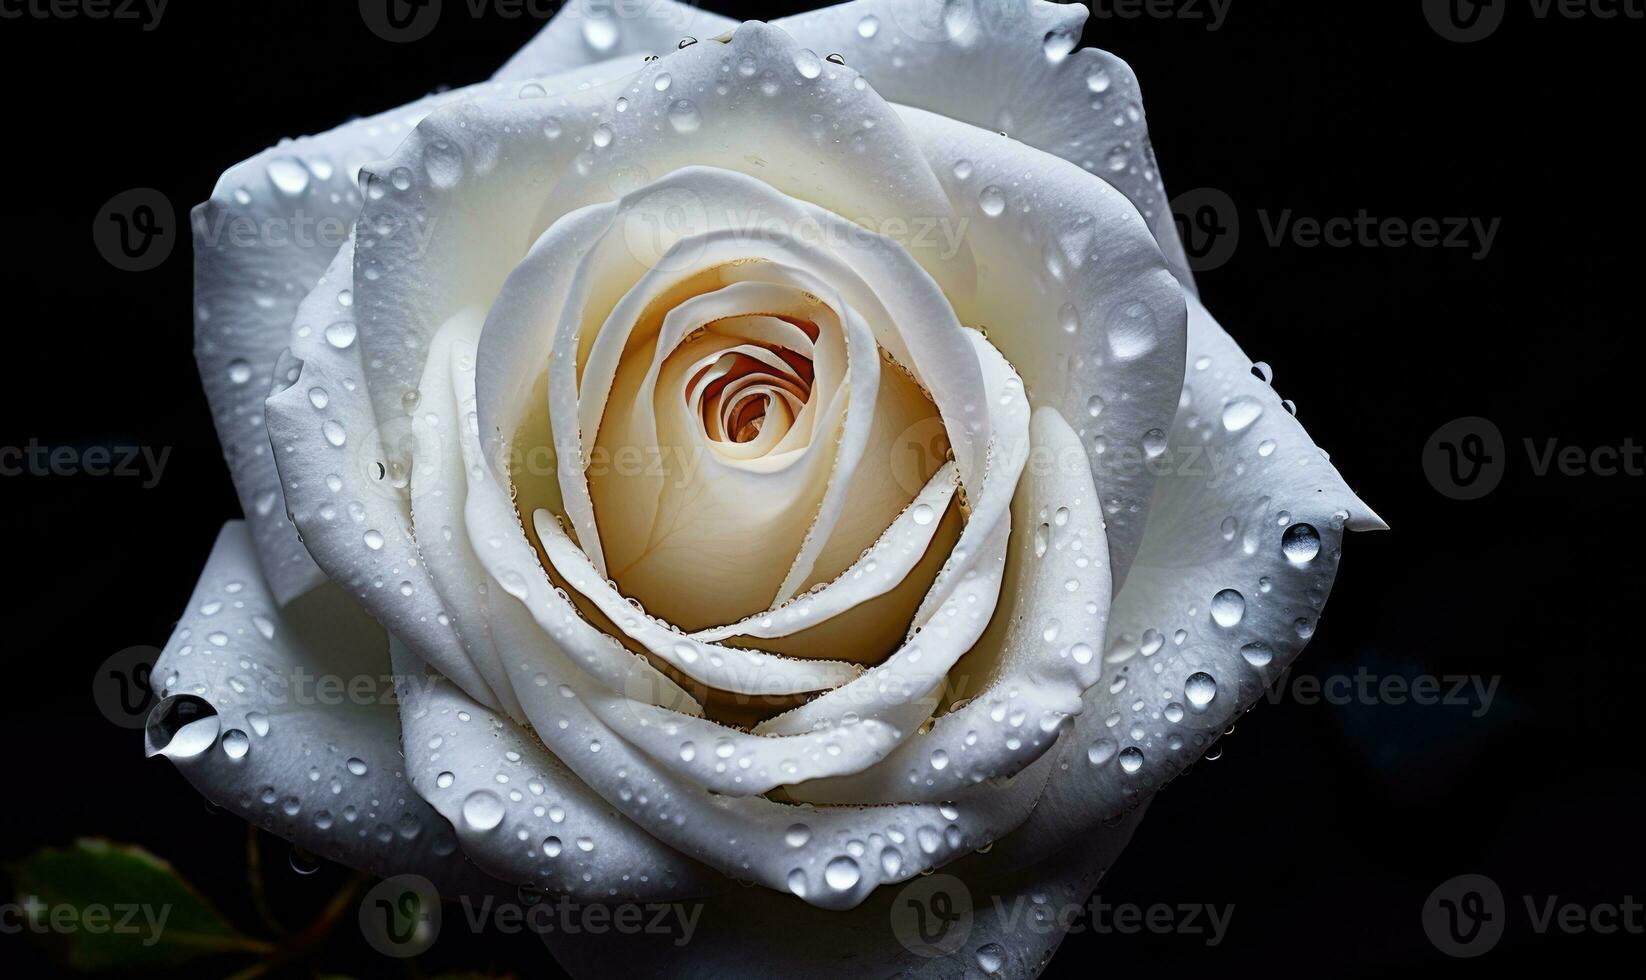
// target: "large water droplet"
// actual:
[[1228, 608], [1240, 413], [842, 873], [1300, 543], [181, 727], [1200, 689], [482, 810], [235, 743]]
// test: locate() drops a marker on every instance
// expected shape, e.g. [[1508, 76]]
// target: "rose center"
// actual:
[[747, 393]]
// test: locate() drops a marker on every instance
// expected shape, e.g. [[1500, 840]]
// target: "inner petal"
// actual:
[[715, 447]]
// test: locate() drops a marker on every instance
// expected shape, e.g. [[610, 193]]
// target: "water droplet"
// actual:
[[797, 835], [1131, 759], [868, 27], [600, 33], [1240, 413], [482, 810], [684, 117], [662, 82], [991, 957], [807, 63], [303, 862], [842, 873], [1200, 689], [1101, 751], [923, 514], [181, 727], [1300, 543], [341, 334], [1058, 44], [288, 176], [235, 743], [444, 163], [1228, 608], [357, 766], [552, 847], [993, 201], [1257, 654]]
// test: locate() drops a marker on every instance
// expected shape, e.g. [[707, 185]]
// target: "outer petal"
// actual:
[[270, 229], [970, 920], [518, 810], [1233, 574], [1008, 66], [287, 717], [1076, 294]]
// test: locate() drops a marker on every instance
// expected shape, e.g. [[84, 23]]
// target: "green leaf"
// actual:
[[105, 906]]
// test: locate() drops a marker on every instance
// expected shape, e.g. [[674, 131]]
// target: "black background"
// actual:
[[1325, 825]]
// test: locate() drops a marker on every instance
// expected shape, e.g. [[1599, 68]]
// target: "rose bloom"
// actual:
[[744, 467]]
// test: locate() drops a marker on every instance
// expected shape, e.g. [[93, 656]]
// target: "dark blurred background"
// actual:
[[1326, 825]]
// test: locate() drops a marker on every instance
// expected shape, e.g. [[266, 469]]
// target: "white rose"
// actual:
[[747, 464]]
